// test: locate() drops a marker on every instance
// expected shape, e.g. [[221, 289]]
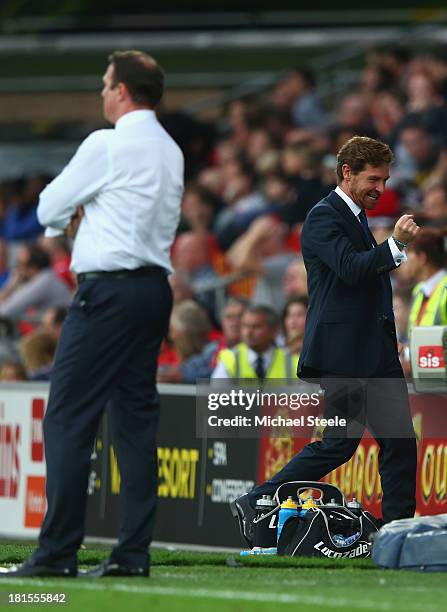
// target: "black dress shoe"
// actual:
[[31, 569], [110, 568], [245, 513]]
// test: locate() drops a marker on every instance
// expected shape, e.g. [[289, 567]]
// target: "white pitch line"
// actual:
[[302, 598]]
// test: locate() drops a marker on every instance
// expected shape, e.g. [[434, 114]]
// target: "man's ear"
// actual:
[[123, 92], [347, 172]]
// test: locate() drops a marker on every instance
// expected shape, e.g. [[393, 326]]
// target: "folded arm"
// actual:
[[77, 184]]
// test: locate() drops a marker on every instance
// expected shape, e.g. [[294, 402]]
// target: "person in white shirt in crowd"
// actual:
[[120, 198], [32, 284]]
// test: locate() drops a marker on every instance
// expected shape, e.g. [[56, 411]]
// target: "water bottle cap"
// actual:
[[309, 503], [289, 503], [266, 500]]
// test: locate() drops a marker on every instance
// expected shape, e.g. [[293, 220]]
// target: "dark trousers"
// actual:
[[107, 354], [380, 404]]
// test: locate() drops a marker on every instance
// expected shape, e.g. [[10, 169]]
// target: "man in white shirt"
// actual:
[[120, 196]]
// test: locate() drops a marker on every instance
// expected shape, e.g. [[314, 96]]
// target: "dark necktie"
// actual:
[[364, 223], [387, 296], [260, 367]]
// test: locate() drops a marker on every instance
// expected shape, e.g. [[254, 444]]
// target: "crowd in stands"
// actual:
[[239, 283]]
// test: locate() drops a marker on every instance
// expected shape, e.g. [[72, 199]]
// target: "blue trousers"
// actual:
[[107, 354]]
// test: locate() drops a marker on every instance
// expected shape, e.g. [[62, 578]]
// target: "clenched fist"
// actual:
[[405, 229]]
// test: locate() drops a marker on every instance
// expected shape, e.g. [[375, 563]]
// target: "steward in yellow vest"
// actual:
[[429, 310], [426, 261], [257, 357], [237, 363]]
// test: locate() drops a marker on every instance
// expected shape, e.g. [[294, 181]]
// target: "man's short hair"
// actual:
[[237, 300], [141, 74], [269, 313], [360, 151]]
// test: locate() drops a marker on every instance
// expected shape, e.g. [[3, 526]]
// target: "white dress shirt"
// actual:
[[398, 255], [431, 283], [130, 182], [220, 371]]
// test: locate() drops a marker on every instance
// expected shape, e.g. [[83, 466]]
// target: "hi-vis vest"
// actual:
[[236, 363], [435, 312]]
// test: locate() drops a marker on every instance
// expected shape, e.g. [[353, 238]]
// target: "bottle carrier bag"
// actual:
[[329, 529]]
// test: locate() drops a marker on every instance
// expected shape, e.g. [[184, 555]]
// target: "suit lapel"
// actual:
[[349, 217]]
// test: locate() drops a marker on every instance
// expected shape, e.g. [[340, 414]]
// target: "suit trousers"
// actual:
[[379, 403], [107, 355]]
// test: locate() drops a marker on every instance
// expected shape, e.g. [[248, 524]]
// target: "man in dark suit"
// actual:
[[350, 338]]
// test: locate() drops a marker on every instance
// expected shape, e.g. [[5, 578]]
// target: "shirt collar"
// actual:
[[134, 117], [268, 357], [352, 205], [431, 283]]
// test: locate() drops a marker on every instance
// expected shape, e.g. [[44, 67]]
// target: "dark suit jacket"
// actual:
[[343, 334]]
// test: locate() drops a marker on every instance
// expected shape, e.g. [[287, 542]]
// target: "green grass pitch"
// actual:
[[217, 582]]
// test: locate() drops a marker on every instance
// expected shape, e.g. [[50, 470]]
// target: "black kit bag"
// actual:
[[328, 530]]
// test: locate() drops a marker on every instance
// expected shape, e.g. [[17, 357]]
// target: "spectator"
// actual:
[[38, 351], [260, 251], [260, 143], [199, 206], [426, 263], [245, 204], [387, 111], [423, 154], [303, 168], [4, 270], [20, 222], [425, 101], [353, 114], [307, 111], [189, 328], [293, 320], [434, 203], [202, 365], [52, 321], [257, 356], [181, 287], [192, 257], [32, 284], [59, 251], [295, 279], [395, 59], [12, 371], [188, 331], [375, 79]]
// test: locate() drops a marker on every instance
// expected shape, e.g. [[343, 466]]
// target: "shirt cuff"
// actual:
[[50, 232], [398, 255]]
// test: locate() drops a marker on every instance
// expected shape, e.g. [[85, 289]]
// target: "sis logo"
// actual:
[[431, 357]]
